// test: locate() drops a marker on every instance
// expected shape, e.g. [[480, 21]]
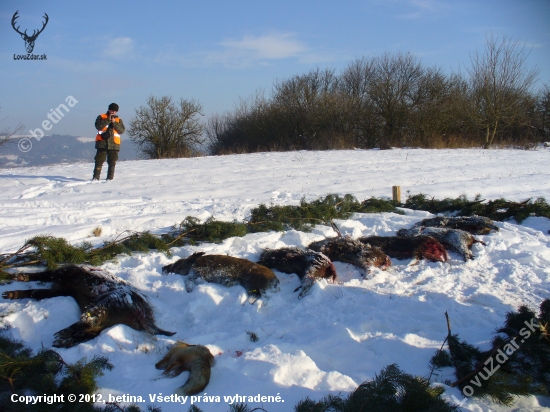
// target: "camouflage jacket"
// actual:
[[108, 136]]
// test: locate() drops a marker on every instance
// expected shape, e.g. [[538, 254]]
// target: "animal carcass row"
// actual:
[[352, 251], [196, 359], [310, 266], [104, 299], [226, 271], [458, 240], [476, 225], [408, 247]]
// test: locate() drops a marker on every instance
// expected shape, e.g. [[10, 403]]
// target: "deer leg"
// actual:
[[37, 294]]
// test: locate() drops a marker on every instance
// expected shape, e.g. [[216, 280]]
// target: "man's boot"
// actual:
[[97, 173], [111, 172]]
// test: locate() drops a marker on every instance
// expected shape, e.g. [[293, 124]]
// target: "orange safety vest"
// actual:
[[99, 135]]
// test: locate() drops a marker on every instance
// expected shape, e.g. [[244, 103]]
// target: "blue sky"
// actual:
[[217, 52]]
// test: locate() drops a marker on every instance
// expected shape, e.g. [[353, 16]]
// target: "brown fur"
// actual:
[[476, 225], [196, 359], [310, 266], [458, 240], [105, 301], [225, 270], [352, 251], [408, 247]]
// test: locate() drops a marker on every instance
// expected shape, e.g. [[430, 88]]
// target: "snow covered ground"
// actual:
[[336, 337]]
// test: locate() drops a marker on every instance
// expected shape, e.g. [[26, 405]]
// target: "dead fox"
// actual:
[[196, 359]]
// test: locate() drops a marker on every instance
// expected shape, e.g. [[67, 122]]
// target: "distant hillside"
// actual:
[[57, 149]]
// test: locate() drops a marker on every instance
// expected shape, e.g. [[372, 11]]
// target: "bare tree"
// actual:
[[163, 129], [355, 82], [500, 81], [431, 112], [392, 90], [543, 112], [7, 134]]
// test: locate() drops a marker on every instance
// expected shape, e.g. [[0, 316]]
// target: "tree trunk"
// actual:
[[486, 144], [490, 136]]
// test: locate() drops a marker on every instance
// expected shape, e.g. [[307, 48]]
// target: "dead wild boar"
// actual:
[[226, 271], [352, 251], [455, 239], [409, 247], [475, 225], [310, 266], [104, 299]]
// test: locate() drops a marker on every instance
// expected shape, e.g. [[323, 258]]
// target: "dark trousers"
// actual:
[[103, 154]]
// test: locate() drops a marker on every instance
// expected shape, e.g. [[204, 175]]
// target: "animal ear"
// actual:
[[195, 256], [335, 228], [191, 259]]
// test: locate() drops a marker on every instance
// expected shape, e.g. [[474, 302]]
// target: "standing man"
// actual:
[[107, 141]]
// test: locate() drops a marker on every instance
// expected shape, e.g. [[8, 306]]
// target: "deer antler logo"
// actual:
[[29, 40]]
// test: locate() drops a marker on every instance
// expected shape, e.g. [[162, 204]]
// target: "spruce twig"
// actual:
[[480, 366], [117, 240], [180, 237], [116, 405], [21, 264], [17, 253]]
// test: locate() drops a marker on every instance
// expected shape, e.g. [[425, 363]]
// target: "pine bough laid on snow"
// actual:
[[51, 251], [391, 390], [23, 374], [526, 356], [498, 209], [516, 364]]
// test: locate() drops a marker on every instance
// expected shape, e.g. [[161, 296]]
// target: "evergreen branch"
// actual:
[[116, 405], [117, 240], [544, 331], [180, 237], [480, 366], [289, 218], [17, 253], [16, 265]]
